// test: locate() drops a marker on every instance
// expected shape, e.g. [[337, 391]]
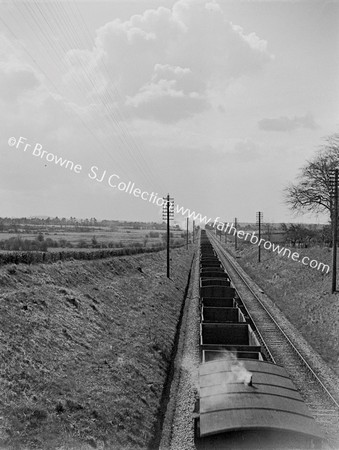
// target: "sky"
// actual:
[[217, 103]]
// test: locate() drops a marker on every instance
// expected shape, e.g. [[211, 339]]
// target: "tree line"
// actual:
[[27, 224]]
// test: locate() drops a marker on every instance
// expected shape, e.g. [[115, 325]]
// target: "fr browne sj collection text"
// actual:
[[94, 172]]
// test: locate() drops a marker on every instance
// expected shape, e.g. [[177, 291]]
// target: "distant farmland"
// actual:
[[51, 237]]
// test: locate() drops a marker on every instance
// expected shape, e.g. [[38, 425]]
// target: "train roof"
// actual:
[[228, 403]]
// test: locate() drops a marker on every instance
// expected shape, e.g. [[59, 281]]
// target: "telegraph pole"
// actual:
[[235, 236], [187, 233], [193, 231], [168, 214], [259, 222], [334, 185]]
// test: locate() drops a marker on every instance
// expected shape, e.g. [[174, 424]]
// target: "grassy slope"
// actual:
[[86, 347], [302, 293]]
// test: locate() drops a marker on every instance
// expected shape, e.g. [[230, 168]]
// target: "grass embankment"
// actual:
[[302, 293], [85, 349]]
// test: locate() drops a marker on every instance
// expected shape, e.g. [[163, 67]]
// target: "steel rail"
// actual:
[[225, 254]]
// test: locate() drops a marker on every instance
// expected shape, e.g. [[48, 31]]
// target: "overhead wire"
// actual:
[[110, 116], [57, 23], [56, 88], [107, 102], [121, 115], [65, 67], [121, 118]]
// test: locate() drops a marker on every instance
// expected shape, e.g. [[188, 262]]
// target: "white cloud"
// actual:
[[168, 58], [173, 93], [252, 39], [213, 6], [287, 124], [16, 81], [16, 77]]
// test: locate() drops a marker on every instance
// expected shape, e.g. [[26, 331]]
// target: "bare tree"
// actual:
[[313, 191]]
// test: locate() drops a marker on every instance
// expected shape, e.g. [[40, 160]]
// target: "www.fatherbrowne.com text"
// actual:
[[229, 228]]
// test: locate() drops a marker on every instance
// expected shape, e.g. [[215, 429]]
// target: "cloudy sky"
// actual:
[[218, 103]]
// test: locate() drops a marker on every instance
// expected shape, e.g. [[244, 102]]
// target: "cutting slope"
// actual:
[[86, 347]]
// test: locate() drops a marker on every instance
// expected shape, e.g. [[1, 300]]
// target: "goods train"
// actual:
[[246, 401]]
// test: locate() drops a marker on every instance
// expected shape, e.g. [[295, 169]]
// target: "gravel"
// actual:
[[178, 428]]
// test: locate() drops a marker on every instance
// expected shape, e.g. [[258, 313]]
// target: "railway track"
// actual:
[[316, 383]]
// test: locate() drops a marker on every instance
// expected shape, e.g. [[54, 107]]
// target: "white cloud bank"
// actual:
[[17, 78], [164, 64], [286, 124]]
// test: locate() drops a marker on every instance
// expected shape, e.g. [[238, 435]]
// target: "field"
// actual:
[[99, 238]]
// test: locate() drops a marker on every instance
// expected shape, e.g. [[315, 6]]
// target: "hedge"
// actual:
[[34, 257]]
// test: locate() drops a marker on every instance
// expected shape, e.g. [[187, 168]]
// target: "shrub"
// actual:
[[12, 269], [154, 234], [82, 244], [33, 257]]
